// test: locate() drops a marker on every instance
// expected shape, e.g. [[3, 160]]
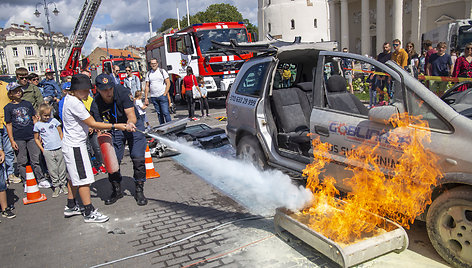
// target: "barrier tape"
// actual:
[[444, 78], [364, 71]]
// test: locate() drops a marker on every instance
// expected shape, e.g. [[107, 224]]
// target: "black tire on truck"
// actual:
[[449, 225], [250, 150]]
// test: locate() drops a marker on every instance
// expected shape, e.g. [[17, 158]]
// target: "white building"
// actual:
[[363, 25], [29, 47], [286, 19]]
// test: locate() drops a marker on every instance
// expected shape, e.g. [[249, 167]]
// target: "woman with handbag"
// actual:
[[192, 92]]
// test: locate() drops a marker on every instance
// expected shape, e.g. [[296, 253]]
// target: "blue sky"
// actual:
[[125, 19]]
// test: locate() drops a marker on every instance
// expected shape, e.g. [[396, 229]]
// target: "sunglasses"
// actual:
[[35, 79], [396, 45], [128, 71], [22, 77], [468, 48]]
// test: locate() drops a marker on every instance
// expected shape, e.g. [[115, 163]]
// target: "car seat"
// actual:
[[340, 99]]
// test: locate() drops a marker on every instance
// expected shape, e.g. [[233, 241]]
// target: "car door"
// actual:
[[342, 119]]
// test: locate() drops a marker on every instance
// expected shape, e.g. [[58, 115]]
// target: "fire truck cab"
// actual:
[[194, 47], [107, 66]]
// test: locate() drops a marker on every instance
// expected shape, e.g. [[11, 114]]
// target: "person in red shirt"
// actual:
[[463, 66], [189, 81]]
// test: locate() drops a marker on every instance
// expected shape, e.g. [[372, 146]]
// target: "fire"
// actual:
[[401, 195]]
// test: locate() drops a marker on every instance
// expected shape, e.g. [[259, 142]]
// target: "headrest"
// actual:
[[305, 86], [336, 83]]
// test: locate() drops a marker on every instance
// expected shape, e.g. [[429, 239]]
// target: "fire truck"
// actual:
[[122, 62], [193, 46]]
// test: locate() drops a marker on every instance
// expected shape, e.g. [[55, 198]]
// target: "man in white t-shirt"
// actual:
[[157, 88]]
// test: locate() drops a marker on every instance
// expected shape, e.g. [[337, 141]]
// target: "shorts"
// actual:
[[78, 164]]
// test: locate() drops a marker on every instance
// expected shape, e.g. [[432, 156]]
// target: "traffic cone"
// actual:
[[151, 173], [32, 191]]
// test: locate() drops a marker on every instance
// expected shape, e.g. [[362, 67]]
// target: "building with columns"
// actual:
[[29, 47], [364, 25]]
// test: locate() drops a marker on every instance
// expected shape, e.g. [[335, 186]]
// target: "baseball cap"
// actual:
[[12, 86], [48, 70], [104, 81], [80, 81], [66, 86]]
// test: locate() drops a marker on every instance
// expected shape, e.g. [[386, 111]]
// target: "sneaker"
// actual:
[[69, 212], [103, 170], [56, 192], [95, 171], [95, 216], [13, 179], [44, 184], [7, 213], [195, 119], [64, 189]]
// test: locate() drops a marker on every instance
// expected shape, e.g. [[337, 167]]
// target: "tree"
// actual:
[[168, 23]]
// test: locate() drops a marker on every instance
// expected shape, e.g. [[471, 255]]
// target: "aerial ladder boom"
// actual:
[[79, 35]]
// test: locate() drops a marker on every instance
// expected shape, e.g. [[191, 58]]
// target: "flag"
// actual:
[[26, 23]]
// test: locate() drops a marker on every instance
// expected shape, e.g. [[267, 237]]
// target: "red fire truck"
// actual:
[[122, 62], [192, 46]]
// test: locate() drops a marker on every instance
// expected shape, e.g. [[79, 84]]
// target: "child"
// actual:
[[48, 130], [19, 122], [203, 99], [138, 102], [77, 120]]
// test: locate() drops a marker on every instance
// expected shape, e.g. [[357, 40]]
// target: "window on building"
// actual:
[[17, 65], [292, 24], [15, 52], [29, 51], [32, 67], [315, 23], [270, 27]]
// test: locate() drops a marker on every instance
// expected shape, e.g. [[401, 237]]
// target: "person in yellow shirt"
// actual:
[[286, 75], [7, 149], [399, 55]]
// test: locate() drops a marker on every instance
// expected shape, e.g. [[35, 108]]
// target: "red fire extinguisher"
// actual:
[[108, 152]]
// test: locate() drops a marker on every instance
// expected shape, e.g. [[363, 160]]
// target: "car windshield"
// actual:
[[8, 78], [219, 35], [123, 64]]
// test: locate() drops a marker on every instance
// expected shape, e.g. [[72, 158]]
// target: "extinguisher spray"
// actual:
[[108, 152]]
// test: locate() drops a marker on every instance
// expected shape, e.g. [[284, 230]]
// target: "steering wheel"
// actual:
[[453, 90]]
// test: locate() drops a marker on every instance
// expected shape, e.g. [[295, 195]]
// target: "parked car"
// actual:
[[7, 78], [268, 123]]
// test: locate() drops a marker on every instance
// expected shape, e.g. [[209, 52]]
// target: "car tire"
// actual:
[[250, 150], [449, 226]]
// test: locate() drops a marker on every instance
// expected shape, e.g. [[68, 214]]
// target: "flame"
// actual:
[[400, 195]]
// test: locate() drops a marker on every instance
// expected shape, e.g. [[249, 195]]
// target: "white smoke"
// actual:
[[260, 191]]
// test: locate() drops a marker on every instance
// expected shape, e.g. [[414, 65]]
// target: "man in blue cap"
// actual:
[[115, 105]]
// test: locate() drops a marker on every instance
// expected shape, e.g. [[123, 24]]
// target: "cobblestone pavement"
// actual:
[[181, 204]]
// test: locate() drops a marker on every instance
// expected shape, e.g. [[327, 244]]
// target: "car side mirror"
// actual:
[[382, 114]]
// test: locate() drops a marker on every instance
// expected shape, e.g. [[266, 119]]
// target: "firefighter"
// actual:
[[115, 105]]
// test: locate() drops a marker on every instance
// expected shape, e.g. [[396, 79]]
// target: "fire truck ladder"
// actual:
[[81, 30]]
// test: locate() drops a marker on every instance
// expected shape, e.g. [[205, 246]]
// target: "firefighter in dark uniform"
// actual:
[[115, 105]]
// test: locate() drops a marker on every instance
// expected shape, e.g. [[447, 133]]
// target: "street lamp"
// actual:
[[46, 12], [106, 40]]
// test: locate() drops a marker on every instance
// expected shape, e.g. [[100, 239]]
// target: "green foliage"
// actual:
[[214, 13]]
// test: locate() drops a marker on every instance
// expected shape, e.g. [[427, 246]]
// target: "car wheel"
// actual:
[[449, 225], [250, 150]]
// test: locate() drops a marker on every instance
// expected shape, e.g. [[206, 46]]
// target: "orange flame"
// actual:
[[400, 195]]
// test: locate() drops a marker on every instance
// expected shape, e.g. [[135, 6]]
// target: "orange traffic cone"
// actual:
[[32, 191], [151, 173]]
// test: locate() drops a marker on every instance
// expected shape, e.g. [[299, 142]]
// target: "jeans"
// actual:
[[161, 104], [190, 103], [137, 146], [8, 150], [204, 105], [3, 178], [25, 149], [373, 95]]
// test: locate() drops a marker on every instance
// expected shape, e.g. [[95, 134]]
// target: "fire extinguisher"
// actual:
[[108, 153]]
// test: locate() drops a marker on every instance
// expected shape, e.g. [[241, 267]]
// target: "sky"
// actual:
[[126, 20]]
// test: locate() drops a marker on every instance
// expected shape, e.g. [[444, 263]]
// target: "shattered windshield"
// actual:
[[220, 35]]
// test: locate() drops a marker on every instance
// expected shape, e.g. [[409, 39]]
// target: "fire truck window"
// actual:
[[107, 67], [219, 35], [253, 80], [285, 75]]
